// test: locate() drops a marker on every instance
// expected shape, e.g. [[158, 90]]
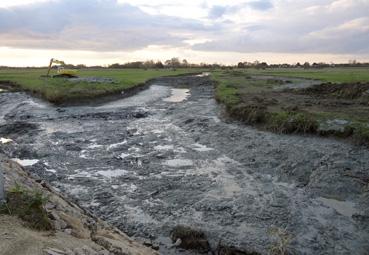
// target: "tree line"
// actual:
[[174, 63]]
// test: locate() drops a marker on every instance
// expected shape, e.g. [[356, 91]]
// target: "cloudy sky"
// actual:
[[223, 31]]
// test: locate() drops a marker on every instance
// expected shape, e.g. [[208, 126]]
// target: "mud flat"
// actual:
[[146, 165]]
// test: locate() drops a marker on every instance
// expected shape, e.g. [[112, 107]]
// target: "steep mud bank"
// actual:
[[147, 165]]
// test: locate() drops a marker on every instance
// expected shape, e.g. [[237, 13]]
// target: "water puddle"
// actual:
[[5, 140], [201, 148], [124, 155], [116, 145], [155, 92], [342, 207], [178, 162], [26, 162], [37, 104], [112, 173], [82, 174], [204, 74], [164, 147], [178, 95], [94, 146]]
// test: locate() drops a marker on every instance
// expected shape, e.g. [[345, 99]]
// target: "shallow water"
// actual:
[[177, 95]]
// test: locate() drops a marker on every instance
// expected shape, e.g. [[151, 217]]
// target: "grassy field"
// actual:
[[252, 96], [326, 74], [59, 90]]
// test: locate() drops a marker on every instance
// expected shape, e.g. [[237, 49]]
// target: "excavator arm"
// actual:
[[54, 61]]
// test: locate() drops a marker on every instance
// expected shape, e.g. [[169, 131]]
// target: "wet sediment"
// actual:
[[147, 165]]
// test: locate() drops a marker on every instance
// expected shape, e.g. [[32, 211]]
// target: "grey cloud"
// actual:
[[260, 5], [337, 27], [355, 42], [324, 26], [217, 11], [90, 25]]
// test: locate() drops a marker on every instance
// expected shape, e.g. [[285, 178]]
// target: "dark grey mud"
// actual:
[[164, 157]]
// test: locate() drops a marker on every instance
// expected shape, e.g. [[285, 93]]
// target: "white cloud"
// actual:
[[11, 3]]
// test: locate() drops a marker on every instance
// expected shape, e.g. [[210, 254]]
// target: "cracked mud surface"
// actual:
[[149, 162]]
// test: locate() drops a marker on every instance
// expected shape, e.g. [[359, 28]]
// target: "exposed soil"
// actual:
[[147, 164], [343, 91], [340, 99]]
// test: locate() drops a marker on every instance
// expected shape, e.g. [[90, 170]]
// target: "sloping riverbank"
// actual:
[[73, 231]]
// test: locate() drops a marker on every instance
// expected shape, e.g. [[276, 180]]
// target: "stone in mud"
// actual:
[[190, 239]]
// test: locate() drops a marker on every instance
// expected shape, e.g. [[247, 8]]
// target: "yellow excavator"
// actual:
[[62, 71]]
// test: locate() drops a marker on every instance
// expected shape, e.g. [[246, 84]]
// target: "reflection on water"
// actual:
[[178, 162], [178, 95], [204, 74], [147, 96], [26, 162], [5, 140]]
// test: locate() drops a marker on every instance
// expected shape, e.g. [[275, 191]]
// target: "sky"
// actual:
[[102, 32]]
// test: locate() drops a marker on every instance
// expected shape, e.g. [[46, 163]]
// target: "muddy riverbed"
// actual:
[[166, 156]]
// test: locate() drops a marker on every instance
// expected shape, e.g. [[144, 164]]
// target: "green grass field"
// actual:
[[354, 74], [58, 90]]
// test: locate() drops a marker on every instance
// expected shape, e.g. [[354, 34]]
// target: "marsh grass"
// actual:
[[282, 240], [291, 122]]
